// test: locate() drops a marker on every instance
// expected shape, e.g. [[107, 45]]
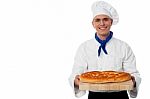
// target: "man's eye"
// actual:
[[97, 20], [106, 19]]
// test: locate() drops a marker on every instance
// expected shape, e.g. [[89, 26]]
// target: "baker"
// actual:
[[104, 52]]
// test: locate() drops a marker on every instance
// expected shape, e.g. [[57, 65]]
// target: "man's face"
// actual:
[[102, 24]]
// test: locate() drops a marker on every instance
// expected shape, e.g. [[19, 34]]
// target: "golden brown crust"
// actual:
[[104, 76]]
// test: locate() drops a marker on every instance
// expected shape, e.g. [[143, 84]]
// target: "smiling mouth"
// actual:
[[102, 28]]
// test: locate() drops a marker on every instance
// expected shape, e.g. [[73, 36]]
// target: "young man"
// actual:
[[104, 52]]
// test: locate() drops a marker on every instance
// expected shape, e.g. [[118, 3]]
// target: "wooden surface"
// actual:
[[127, 85]]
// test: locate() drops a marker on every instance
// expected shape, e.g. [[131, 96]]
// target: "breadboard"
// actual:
[[127, 85]]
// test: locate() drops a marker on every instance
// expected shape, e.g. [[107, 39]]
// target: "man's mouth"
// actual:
[[102, 28]]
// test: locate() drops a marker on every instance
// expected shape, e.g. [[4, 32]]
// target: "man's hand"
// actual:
[[133, 80], [77, 81]]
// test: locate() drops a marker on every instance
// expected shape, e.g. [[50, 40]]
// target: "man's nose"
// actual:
[[101, 22]]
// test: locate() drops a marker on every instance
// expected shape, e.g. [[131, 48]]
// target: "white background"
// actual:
[[39, 38]]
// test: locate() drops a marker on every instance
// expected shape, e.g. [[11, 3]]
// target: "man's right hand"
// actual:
[[77, 81]]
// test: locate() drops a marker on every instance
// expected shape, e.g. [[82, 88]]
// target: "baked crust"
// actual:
[[104, 76]]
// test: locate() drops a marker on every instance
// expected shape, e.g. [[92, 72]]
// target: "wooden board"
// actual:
[[127, 85]]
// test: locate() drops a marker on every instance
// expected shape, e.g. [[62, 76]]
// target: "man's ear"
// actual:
[[111, 21], [92, 23]]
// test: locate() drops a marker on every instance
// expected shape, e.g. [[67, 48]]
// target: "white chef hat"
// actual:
[[101, 7]]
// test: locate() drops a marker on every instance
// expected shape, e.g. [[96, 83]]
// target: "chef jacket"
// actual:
[[119, 58]]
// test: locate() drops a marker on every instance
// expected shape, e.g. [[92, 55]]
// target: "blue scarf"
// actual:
[[103, 42]]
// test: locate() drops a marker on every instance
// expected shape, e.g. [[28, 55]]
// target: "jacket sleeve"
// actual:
[[80, 65], [129, 65]]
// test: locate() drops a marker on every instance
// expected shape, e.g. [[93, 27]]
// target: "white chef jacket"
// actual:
[[119, 58]]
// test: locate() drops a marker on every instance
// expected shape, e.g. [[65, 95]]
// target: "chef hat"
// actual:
[[101, 7]]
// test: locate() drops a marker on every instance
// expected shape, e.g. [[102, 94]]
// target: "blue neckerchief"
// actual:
[[103, 42]]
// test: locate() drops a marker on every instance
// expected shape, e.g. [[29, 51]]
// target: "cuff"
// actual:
[[79, 93]]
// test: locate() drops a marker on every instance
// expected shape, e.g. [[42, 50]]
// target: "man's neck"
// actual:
[[103, 37]]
